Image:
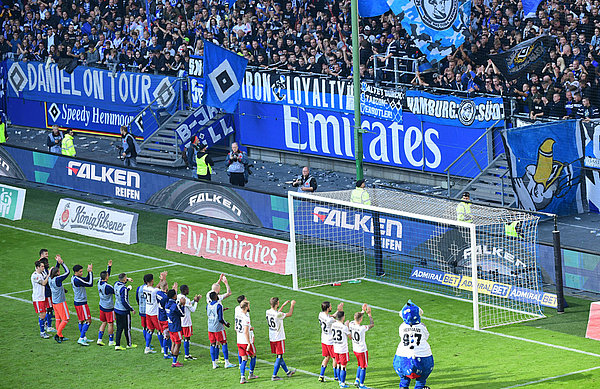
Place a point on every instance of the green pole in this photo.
(358, 142)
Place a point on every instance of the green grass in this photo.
(463, 358)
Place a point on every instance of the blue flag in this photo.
(437, 27)
(545, 162)
(223, 76)
(370, 8)
(530, 8)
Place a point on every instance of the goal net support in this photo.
(420, 245)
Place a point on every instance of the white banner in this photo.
(96, 221)
(12, 201)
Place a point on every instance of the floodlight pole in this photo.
(358, 142)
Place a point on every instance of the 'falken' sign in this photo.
(96, 221)
(237, 248)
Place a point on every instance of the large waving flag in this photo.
(530, 8)
(370, 8)
(223, 75)
(526, 57)
(437, 27)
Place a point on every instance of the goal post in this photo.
(423, 247)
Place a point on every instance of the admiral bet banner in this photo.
(523, 58)
(545, 162)
(437, 27)
(478, 112)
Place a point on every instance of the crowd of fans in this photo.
(315, 36)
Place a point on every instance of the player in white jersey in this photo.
(359, 344)
(340, 334)
(277, 334)
(38, 282)
(413, 359)
(326, 319)
(186, 320)
(149, 293)
(216, 287)
(245, 340)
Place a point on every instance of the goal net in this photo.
(420, 245)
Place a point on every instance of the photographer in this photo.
(129, 153)
(305, 182)
(237, 165)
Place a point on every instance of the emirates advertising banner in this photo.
(234, 247)
(96, 221)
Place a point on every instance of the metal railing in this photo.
(399, 69)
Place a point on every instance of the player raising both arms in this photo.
(186, 321)
(413, 359)
(59, 300)
(151, 311)
(359, 344)
(107, 307)
(326, 320)
(175, 311)
(140, 298)
(216, 330)
(47, 291)
(79, 283)
(245, 340)
(38, 296)
(277, 334)
(340, 334)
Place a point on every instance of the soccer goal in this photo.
(420, 245)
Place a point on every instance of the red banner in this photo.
(219, 244)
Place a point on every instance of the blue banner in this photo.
(370, 8)
(411, 144)
(224, 74)
(205, 124)
(477, 112)
(545, 162)
(436, 27)
(122, 92)
(381, 103)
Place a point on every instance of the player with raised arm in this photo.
(59, 300)
(186, 321)
(326, 319)
(140, 298)
(163, 324)
(359, 344)
(107, 307)
(175, 311)
(38, 296)
(245, 340)
(149, 291)
(47, 291)
(79, 283)
(340, 334)
(123, 311)
(277, 334)
(216, 287)
(413, 359)
(216, 330)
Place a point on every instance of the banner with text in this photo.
(122, 92)
(410, 144)
(208, 124)
(96, 221)
(12, 201)
(591, 160)
(229, 246)
(382, 103)
(477, 112)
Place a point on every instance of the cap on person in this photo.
(359, 183)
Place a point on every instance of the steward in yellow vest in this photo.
(67, 146)
(204, 163)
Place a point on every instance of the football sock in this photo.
(239, 360)
(168, 345)
(100, 335)
(161, 339)
(336, 372)
(61, 326)
(186, 347)
(342, 375)
(276, 367)
(363, 373)
(42, 324)
(111, 337)
(323, 370)
(175, 358)
(80, 327)
(148, 338)
(48, 320)
(243, 368)
(145, 333)
(225, 352)
(84, 329)
(212, 353)
(358, 373)
(283, 365)
(252, 364)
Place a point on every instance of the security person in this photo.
(68, 147)
(360, 195)
(129, 153)
(3, 135)
(305, 182)
(54, 140)
(463, 209)
(204, 162)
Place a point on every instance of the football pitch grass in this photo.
(550, 352)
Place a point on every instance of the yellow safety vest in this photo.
(463, 212)
(360, 196)
(2, 133)
(67, 146)
(202, 168)
(511, 229)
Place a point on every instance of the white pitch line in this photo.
(300, 291)
(192, 343)
(552, 378)
(129, 272)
